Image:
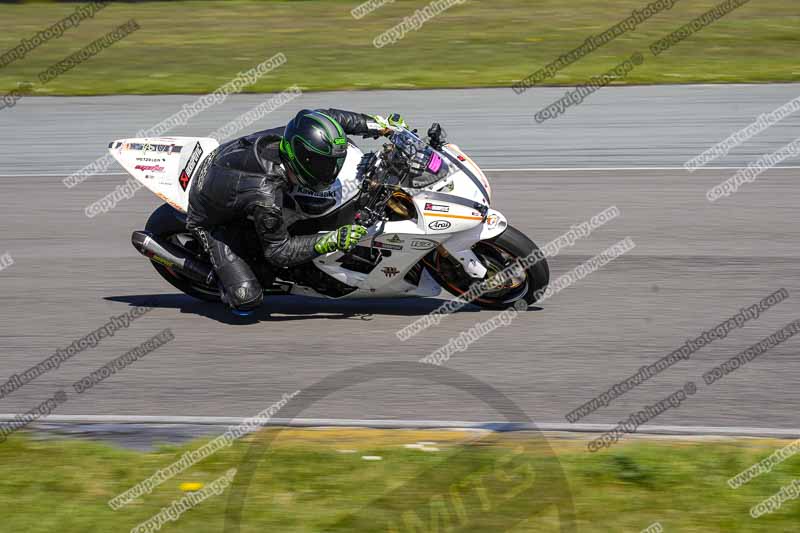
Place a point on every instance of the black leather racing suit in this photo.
(242, 179)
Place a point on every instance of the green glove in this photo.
(387, 125)
(345, 239)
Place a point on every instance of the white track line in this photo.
(734, 431)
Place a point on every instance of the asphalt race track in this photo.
(695, 264)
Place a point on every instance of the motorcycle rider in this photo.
(246, 178)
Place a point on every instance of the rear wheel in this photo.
(170, 226)
(496, 255)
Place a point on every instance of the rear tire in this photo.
(496, 254)
(170, 225)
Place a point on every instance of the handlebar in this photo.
(400, 162)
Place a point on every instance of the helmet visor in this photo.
(318, 171)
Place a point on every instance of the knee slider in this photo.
(242, 289)
(246, 296)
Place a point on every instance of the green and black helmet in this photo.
(314, 147)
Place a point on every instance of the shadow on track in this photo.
(287, 308)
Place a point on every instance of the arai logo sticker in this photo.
(439, 225)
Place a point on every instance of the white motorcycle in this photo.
(426, 204)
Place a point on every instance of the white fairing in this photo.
(477, 189)
(443, 220)
(452, 213)
(165, 165)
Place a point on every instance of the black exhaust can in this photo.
(172, 257)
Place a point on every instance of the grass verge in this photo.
(318, 480)
(194, 47)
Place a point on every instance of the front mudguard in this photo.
(460, 245)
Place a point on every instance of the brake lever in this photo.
(437, 137)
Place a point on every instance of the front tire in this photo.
(497, 254)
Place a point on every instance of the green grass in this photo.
(309, 485)
(194, 47)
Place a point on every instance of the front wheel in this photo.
(496, 255)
